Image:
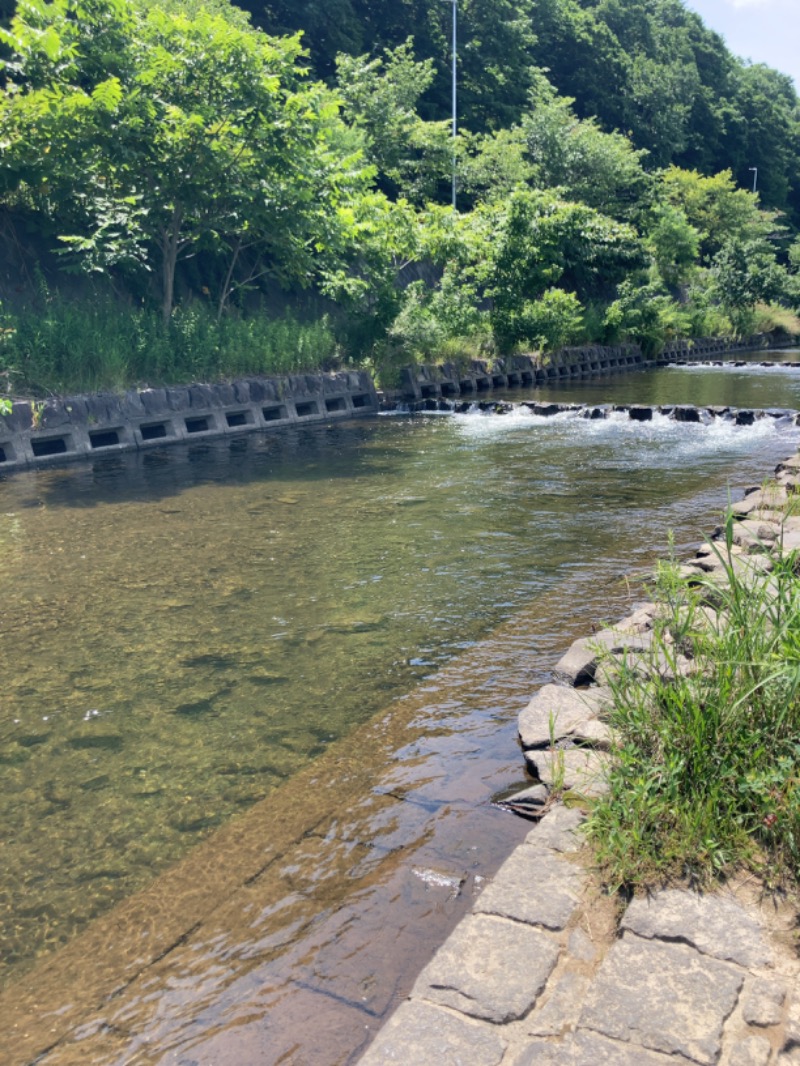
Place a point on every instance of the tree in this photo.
(189, 133)
(768, 105)
(413, 157)
(542, 243)
(674, 244)
(717, 208)
(328, 27)
(491, 166)
(745, 273)
(600, 169)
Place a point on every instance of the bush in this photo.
(707, 772)
(771, 318)
(548, 323)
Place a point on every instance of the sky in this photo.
(766, 31)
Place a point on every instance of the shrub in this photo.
(707, 771)
(550, 322)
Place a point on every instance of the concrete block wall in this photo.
(526, 371)
(689, 350)
(39, 433)
(517, 371)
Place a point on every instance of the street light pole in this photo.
(755, 177)
(455, 6)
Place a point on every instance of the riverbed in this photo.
(322, 637)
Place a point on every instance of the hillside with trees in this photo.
(190, 188)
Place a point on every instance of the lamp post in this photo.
(753, 169)
(454, 50)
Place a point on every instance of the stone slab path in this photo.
(548, 971)
(542, 973)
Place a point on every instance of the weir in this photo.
(635, 412)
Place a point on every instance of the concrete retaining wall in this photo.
(526, 371)
(518, 371)
(74, 427)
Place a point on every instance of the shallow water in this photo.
(192, 631)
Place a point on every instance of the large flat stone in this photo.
(789, 540)
(419, 1034)
(752, 1051)
(591, 1049)
(640, 621)
(792, 1033)
(762, 1002)
(715, 925)
(556, 712)
(739, 563)
(544, 1053)
(578, 770)
(560, 1013)
(792, 463)
(617, 639)
(664, 997)
(578, 665)
(489, 968)
(535, 886)
(558, 829)
(772, 497)
(753, 535)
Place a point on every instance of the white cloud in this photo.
(738, 4)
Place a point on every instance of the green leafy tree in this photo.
(674, 243)
(770, 114)
(745, 273)
(491, 166)
(600, 169)
(377, 241)
(718, 209)
(328, 27)
(413, 157)
(190, 133)
(542, 243)
(583, 58)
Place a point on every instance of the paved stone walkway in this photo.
(545, 971)
(538, 973)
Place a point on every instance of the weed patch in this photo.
(706, 775)
(63, 346)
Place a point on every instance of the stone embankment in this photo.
(544, 972)
(526, 371)
(74, 427)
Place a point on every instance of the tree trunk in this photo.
(170, 241)
(226, 285)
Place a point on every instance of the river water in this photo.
(283, 672)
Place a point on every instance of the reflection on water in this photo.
(194, 630)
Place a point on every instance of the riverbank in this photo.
(36, 433)
(549, 967)
(447, 380)
(546, 972)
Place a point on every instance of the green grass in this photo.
(706, 778)
(63, 346)
(771, 318)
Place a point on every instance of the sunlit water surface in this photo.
(193, 630)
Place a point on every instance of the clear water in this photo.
(331, 630)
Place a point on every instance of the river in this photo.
(283, 672)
